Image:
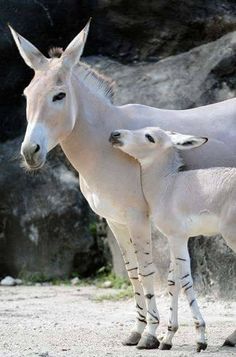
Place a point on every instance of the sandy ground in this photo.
(61, 321)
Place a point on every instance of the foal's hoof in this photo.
(148, 342)
(228, 343)
(165, 346)
(133, 339)
(201, 346)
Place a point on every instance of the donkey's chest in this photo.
(103, 205)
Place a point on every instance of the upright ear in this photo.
(30, 54)
(186, 142)
(74, 50)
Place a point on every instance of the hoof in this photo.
(165, 346)
(133, 339)
(148, 342)
(201, 346)
(228, 343)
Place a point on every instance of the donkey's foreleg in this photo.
(179, 247)
(123, 238)
(174, 289)
(140, 232)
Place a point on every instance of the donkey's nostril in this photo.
(115, 134)
(37, 148)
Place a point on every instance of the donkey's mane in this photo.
(94, 80)
(55, 52)
(97, 82)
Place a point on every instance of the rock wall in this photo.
(47, 230)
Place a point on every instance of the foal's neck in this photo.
(159, 174)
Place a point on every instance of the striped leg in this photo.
(174, 289)
(141, 238)
(179, 248)
(123, 237)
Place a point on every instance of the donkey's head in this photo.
(50, 97)
(148, 143)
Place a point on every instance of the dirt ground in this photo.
(61, 321)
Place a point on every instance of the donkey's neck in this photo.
(87, 145)
(159, 175)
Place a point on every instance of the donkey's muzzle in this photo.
(115, 138)
(32, 154)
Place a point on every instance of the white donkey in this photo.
(70, 104)
(182, 204)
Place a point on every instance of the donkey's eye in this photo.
(59, 96)
(150, 138)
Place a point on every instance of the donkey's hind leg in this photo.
(123, 238)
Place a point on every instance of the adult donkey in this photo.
(70, 104)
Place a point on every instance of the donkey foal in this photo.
(182, 204)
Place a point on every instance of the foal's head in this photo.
(50, 111)
(149, 143)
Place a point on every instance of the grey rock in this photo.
(8, 281)
(75, 281)
(45, 221)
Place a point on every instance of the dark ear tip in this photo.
(206, 139)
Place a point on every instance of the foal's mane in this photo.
(94, 80)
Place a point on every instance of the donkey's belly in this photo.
(101, 205)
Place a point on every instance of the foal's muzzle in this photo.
(115, 138)
(33, 155)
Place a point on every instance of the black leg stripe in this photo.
(144, 275)
(139, 307)
(149, 296)
(134, 278)
(132, 269)
(183, 260)
(137, 293)
(191, 302)
(142, 316)
(189, 287)
(170, 293)
(154, 316)
(185, 284)
(126, 263)
(142, 320)
(185, 276)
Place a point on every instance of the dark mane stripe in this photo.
(55, 52)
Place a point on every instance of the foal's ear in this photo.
(30, 54)
(186, 142)
(74, 50)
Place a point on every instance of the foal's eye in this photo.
(150, 138)
(59, 96)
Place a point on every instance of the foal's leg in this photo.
(140, 232)
(123, 238)
(173, 288)
(179, 247)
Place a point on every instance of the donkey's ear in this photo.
(74, 50)
(186, 142)
(30, 54)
